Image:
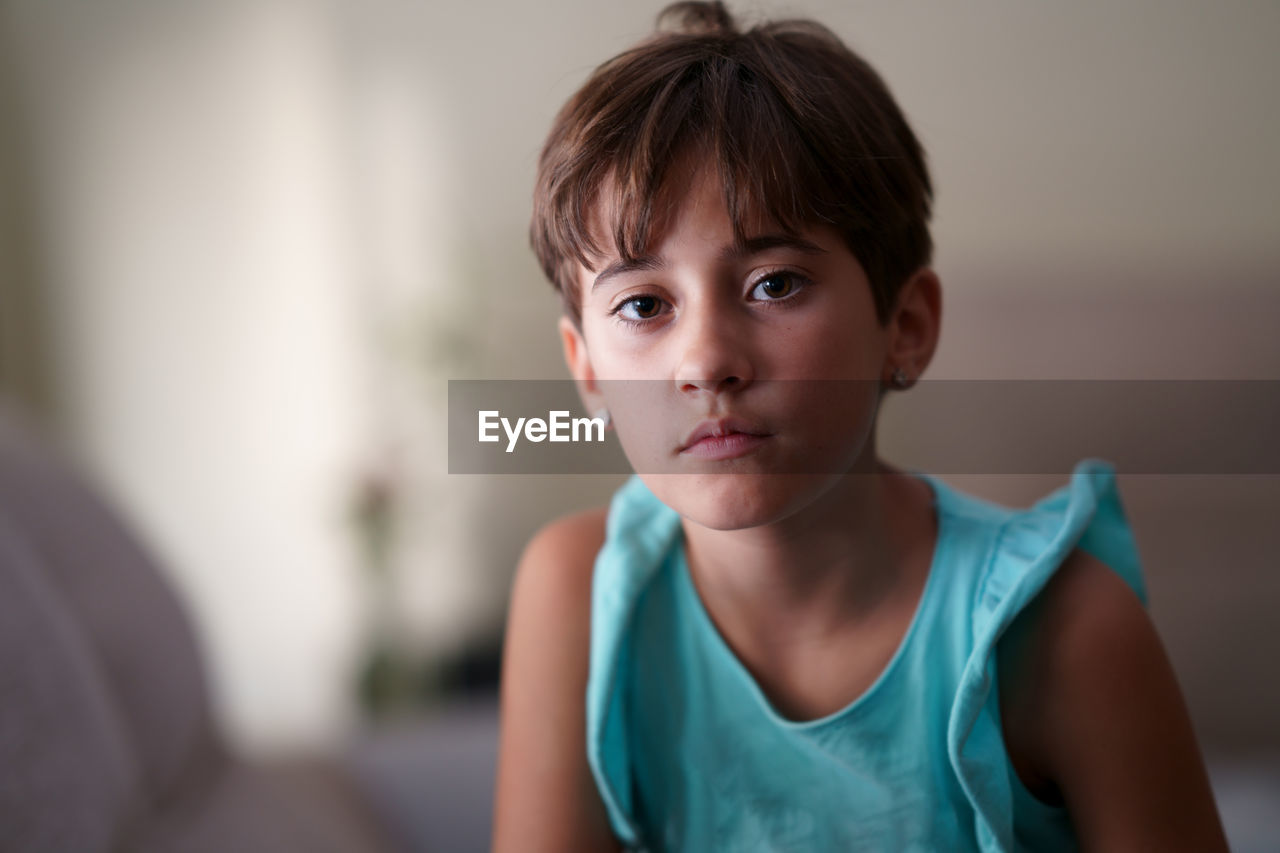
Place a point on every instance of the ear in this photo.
(579, 362)
(914, 325)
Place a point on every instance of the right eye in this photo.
(638, 309)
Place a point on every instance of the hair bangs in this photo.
(801, 130)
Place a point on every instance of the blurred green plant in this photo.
(415, 348)
(391, 679)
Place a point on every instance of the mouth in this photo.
(727, 438)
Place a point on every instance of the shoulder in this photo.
(566, 546)
(551, 594)
(1084, 607)
(546, 797)
(553, 577)
(1084, 627)
(1093, 715)
(1088, 648)
(1047, 648)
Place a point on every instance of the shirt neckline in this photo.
(708, 627)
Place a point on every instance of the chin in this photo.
(735, 501)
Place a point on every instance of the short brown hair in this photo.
(803, 130)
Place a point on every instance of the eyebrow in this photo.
(733, 252)
(621, 266)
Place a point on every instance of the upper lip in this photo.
(722, 427)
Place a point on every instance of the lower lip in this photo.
(728, 446)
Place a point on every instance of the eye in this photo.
(776, 285)
(638, 309)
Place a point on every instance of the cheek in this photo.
(830, 348)
(830, 422)
(646, 418)
(617, 353)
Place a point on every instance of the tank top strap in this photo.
(1030, 546)
(639, 533)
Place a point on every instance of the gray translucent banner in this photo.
(818, 426)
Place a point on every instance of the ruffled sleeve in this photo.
(640, 533)
(1086, 513)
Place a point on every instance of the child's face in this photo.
(706, 330)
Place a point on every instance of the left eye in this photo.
(775, 286)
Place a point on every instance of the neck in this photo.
(824, 569)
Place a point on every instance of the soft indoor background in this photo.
(244, 245)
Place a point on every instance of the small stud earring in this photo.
(899, 378)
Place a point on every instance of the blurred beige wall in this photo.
(268, 232)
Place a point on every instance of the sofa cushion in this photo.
(132, 632)
(273, 808)
(68, 778)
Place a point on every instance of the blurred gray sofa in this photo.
(107, 741)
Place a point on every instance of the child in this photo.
(773, 640)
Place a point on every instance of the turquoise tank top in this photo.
(688, 754)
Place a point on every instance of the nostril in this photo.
(714, 385)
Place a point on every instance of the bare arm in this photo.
(546, 798)
(1093, 711)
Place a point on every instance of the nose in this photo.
(716, 355)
